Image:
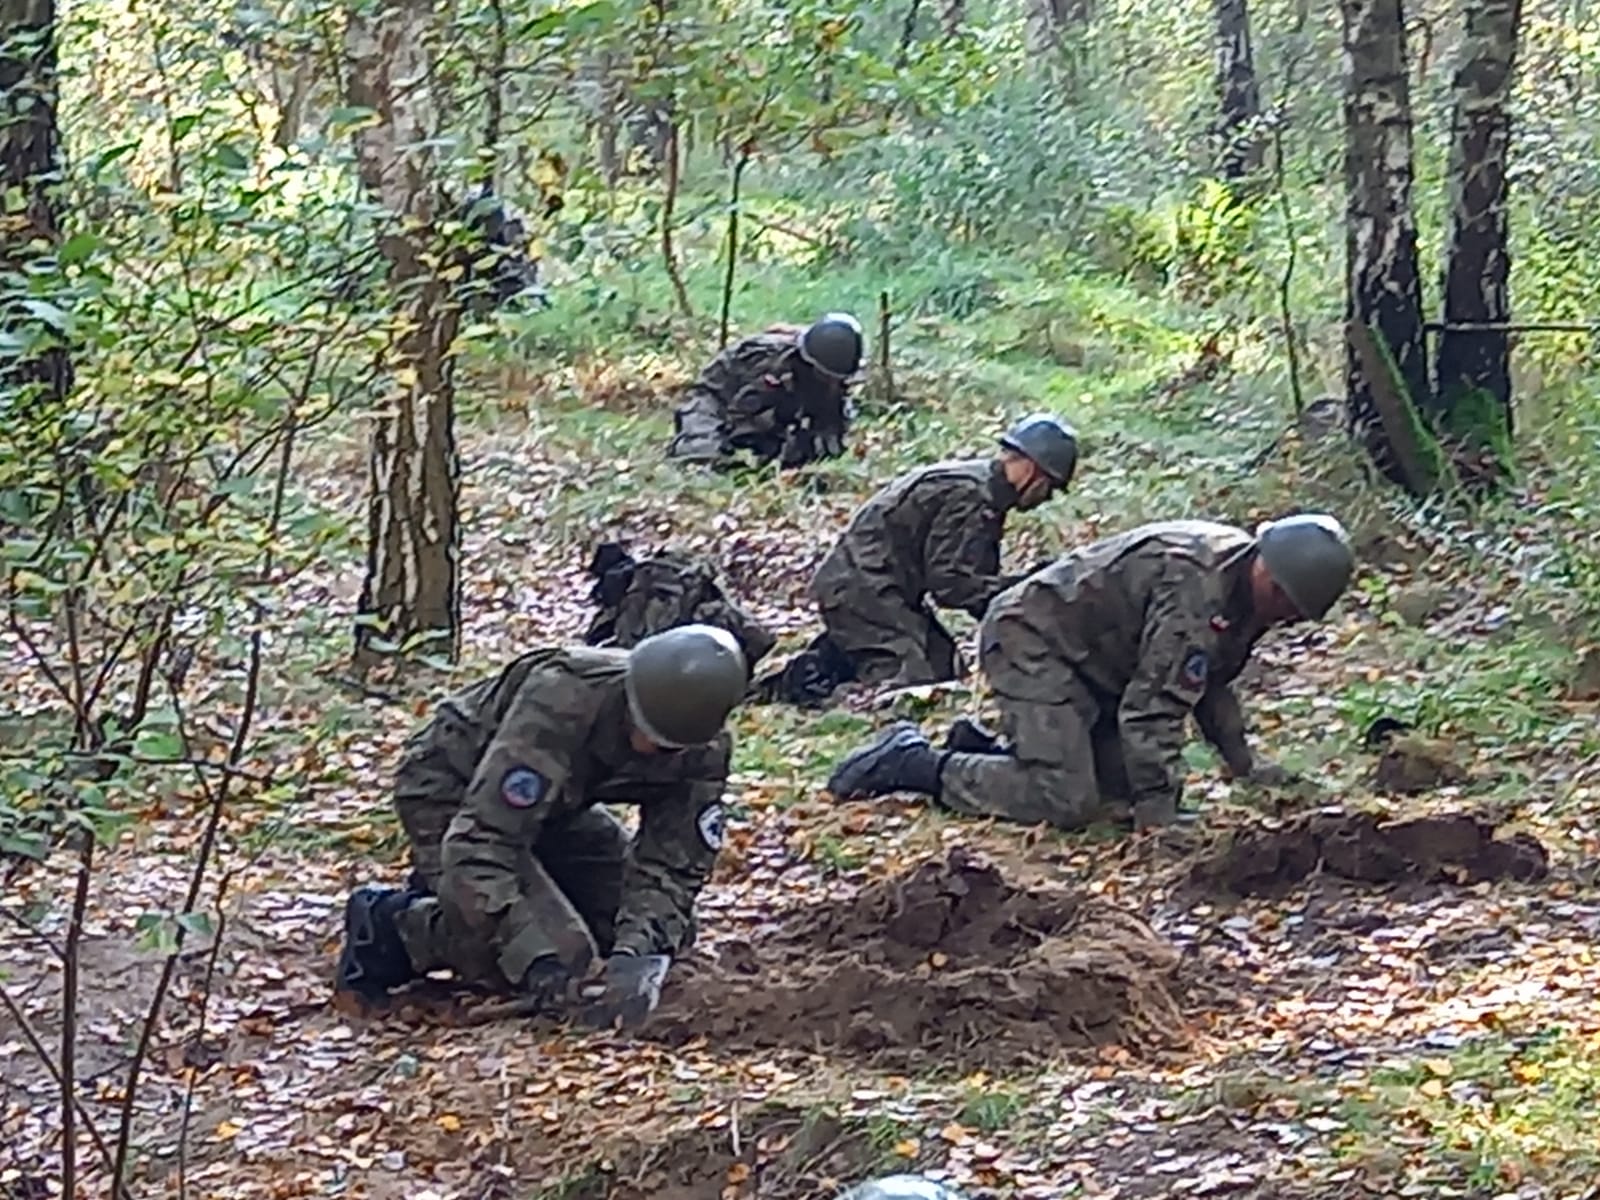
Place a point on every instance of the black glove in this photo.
(627, 992)
(545, 982)
(798, 448)
(830, 442)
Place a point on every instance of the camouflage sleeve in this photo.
(670, 861)
(1171, 676)
(1221, 720)
(961, 555)
(489, 881)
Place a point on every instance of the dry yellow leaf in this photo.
(227, 1131)
(907, 1148)
(954, 1134)
(1528, 1072)
(739, 1172)
(449, 1122)
(1433, 1089)
(1438, 1066)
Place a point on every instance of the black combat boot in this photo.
(901, 760)
(966, 736)
(373, 959)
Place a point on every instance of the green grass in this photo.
(1491, 1114)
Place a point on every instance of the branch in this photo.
(1512, 327)
(42, 1053)
(68, 1078)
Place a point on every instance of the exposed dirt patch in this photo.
(948, 963)
(1454, 847)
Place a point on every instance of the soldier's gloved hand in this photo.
(830, 443)
(627, 991)
(796, 448)
(545, 981)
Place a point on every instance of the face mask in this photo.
(1036, 493)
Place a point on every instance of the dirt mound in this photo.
(1453, 847)
(947, 963)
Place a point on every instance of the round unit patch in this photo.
(523, 787)
(712, 824)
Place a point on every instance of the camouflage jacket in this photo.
(932, 533)
(1158, 617)
(767, 409)
(546, 738)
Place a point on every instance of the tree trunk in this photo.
(29, 161)
(1238, 95)
(1474, 365)
(1047, 18)
(952, 17)
(1383, 289)
(411, 596)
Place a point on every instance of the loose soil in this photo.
(947, 964)
(1453, 847)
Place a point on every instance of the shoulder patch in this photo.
(523, 787)
(1196, 667)
(712, 823)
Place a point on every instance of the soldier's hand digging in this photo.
(627, 991)
(545, 983)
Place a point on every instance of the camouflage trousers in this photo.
(889, 641)
(700, 429)
(1061, 763)
(571, 878)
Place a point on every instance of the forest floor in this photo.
(1291, 1000)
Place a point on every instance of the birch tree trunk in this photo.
(1238, 94)
(411, 596)
(30, 145)
(1476, 363)
(1047, 18)
(952, 16)
(1383, 289)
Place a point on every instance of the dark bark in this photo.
(1383, 286)
(953, 17)
(411, 595)
(908, 33)
(1239, 132)
(1477, 260)
(29, 167)
(733, 246)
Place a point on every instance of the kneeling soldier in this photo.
(1097, 661)
(522, 877)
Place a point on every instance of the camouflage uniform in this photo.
(933, 534)
(638, 597)
(518, 873)
(757, 396)
(1096, 662)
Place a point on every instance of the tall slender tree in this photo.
(1383, 292)
(411, 595)
(1239, 133)
(39, 369)
(1474, 348)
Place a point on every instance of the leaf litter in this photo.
(813, 1033)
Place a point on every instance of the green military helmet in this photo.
(901, 1187)
(1308, 555)
(1049, 441)
(833, 345)
(682, 684)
